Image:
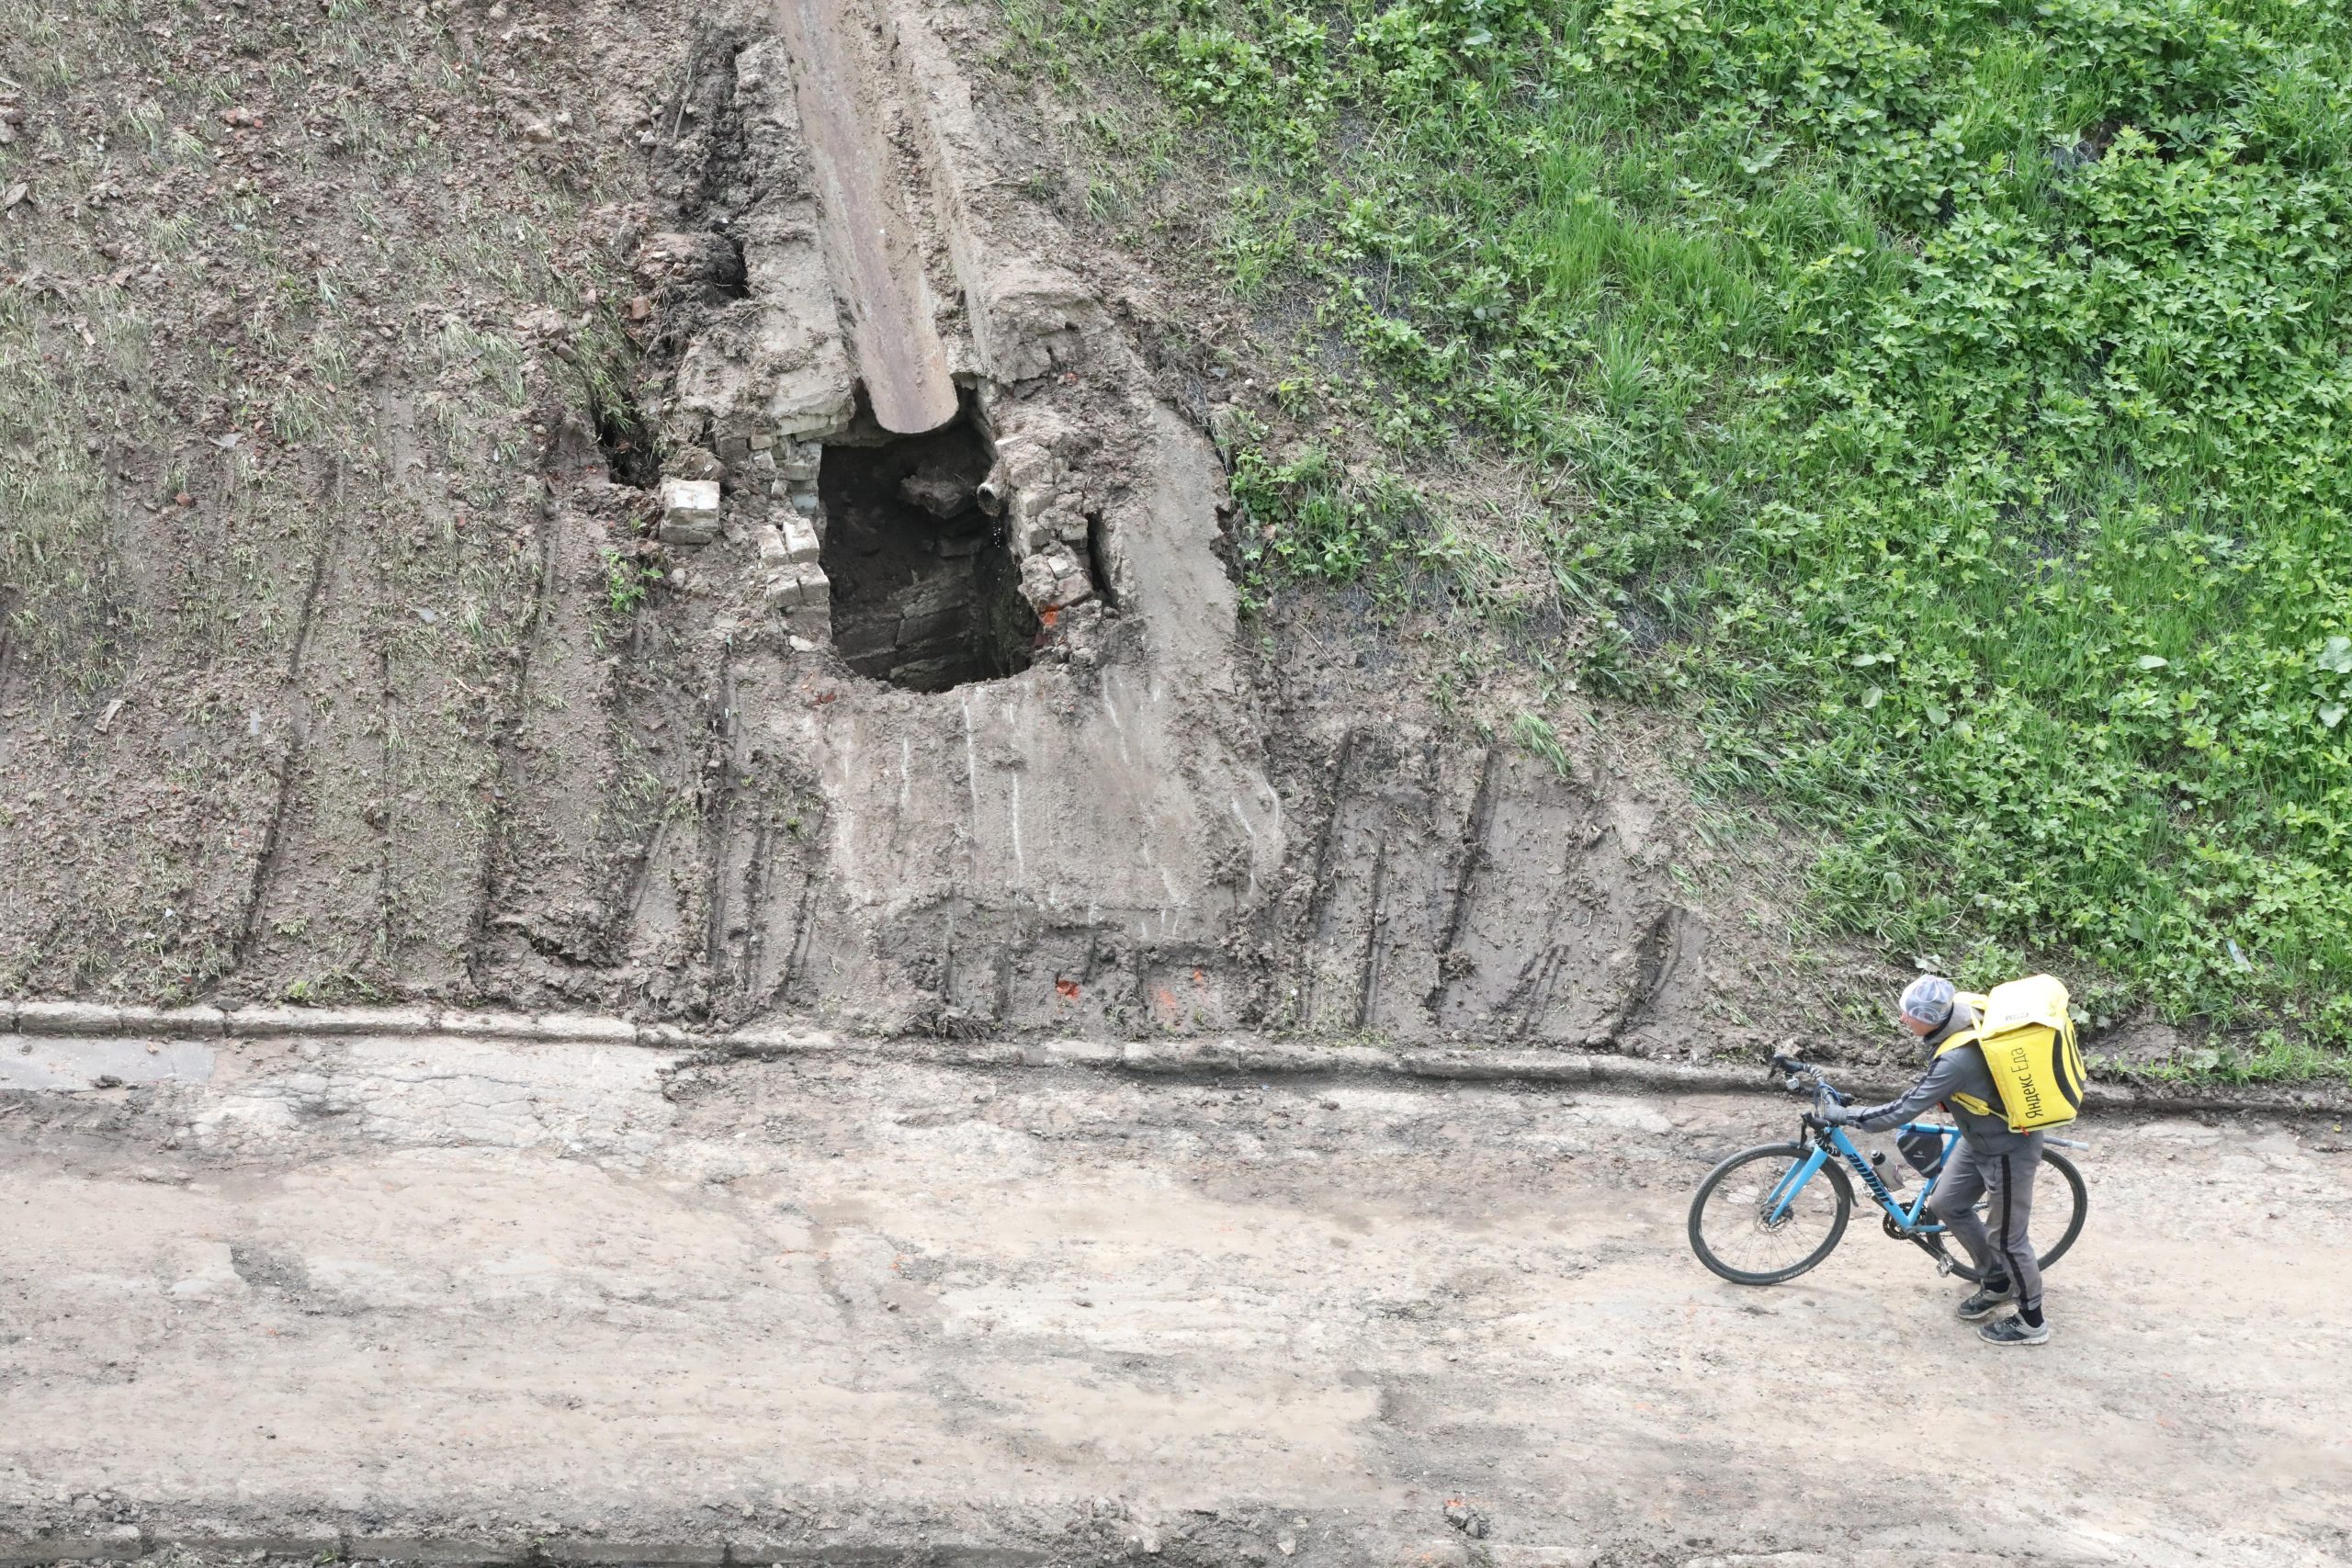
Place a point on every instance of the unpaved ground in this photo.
(344, 657)
(398, 1287)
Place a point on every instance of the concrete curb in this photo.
(67, 1019)
(1271, 1059)
(69, 1549)
(558, 1551)
(1150, 1058)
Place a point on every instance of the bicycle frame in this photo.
(1834, 1142)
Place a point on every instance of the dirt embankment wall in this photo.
(484, 558)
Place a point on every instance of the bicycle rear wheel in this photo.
(1733, 1235)
(2059, 1198)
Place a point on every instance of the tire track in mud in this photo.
(505, 783)
(634, 880)
(1319, 885)
(637, 928)
(788, 987)
(1375, 929)
(1659, 959)
(718, 805)
(762, 866)
(1471, 890)
(379, 815)
(755, 898)
(319, 924)
(8, 597)
(1475, 831)
(296, 706)
(760, 841)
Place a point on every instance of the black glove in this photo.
(1834, 1116)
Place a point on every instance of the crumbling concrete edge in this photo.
(56, 1020)
(960, 1536)
(1216, 1058)
(559, 1552)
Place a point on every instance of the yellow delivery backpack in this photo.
(2028, 1038)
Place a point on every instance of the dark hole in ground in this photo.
(1098, 556)
(730, 280)
(622, 435)
(630, 455)
(924, 591)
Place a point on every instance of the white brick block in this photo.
(689, 510)
(799, 541)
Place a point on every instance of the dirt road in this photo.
(373, 1290)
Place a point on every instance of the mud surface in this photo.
(492, 1292)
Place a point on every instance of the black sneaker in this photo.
(2013, 1331)
(1986, 1302)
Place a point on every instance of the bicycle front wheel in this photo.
(2060, 1203)
(1741, 1231)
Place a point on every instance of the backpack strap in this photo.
(1969, 1102)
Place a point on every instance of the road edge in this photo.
(1222, 1057)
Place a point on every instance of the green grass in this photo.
(1955, 396)
(2269, 1058)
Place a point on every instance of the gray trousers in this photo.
(1996, 1240)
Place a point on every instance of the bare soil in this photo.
(297, 309)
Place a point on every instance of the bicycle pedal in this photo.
(1943, 1265)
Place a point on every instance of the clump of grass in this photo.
(1954, 395)
(626, 581)
(2270, 1058)
(1536, 733)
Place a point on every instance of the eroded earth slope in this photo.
(639, 508)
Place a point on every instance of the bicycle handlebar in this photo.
(1792, 1070)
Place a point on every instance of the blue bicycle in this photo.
(1763, 1216)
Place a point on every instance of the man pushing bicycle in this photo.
(2005, 1064)
(1990, 1160)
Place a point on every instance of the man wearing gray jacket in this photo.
(1988, 1159)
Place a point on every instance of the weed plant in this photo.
(1957, 395)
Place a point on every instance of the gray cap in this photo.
(1929, 1000)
